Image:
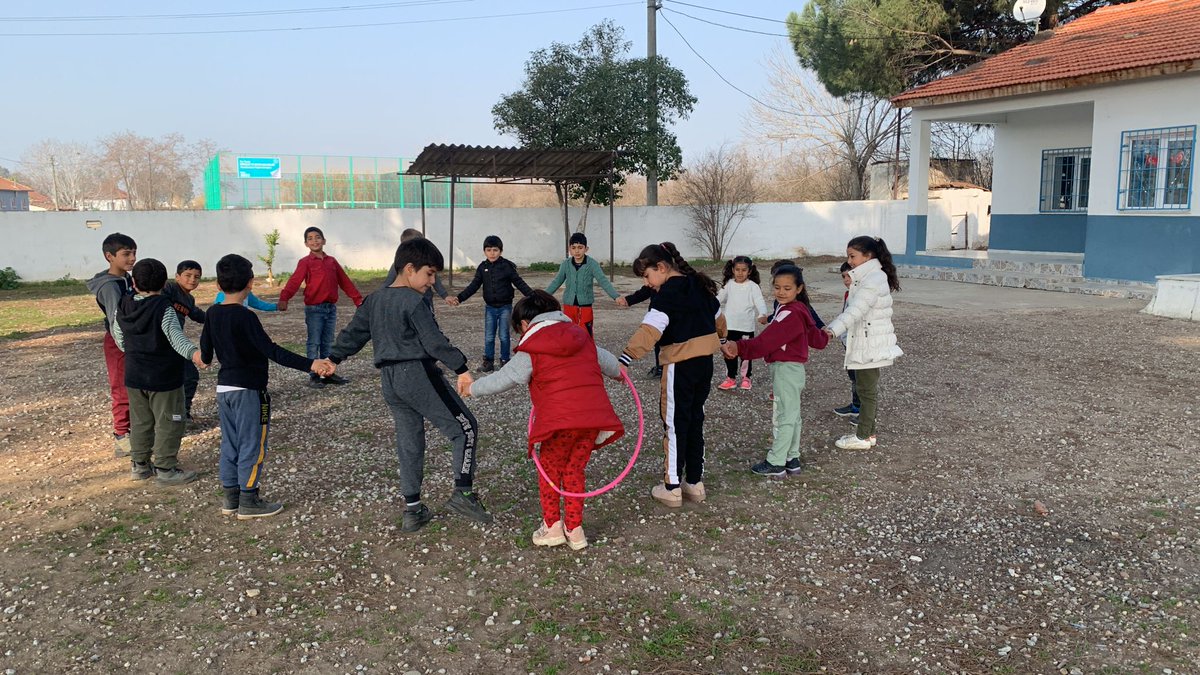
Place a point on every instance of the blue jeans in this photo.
(320, 321)
(495, 320)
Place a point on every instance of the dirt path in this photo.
(924, 555)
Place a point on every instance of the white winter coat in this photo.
(866, 322)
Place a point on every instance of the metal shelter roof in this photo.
(478, 161)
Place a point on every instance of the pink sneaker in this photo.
(727, 384)
(576, 539)
(745, 384)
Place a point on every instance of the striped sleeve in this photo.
(179, 342)
(646, 336)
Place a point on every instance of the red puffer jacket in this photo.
(567, 386)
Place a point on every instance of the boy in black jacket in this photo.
(497, 275)
(147, 331)
(236, 336)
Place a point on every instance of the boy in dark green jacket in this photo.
(579, 272)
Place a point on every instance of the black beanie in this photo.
(578, 238)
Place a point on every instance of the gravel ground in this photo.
(1031, 507)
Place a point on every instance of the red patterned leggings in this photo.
(563, 456)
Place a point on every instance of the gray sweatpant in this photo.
(416, 391)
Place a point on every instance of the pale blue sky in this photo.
(372, 90)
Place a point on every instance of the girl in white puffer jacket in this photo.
(866, 324)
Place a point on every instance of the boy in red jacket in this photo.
(784, 345)
(321, 275)
(563, 367)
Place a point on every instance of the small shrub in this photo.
(272, 241)
(543, 267)
(9, 279)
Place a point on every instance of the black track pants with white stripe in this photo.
(684, 390)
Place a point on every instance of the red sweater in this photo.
(567, 386)
(787, 338)
(321, 277)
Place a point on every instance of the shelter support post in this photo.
(453, 180)
(423, 233)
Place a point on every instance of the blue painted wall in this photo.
(1141, 247)
(1059, 232)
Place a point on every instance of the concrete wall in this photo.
(49, 245)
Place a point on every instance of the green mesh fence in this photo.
(241, 181)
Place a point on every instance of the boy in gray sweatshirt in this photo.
(407, 344)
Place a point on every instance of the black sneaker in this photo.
(250, 506)
(793, 467)
(316, 383)
(335, 379)
(487, 366)
(414, 518)
(656, 371)
(765, 468)
(176, 476)
(232, 496)
(846, 410)
(141, 471)
(853, 420)
(467, 505)
(503, 362)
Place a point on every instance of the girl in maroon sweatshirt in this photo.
(784, 345)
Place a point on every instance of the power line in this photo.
(218, 15)
(724, 79)
(722, 25)
(375, 24)
(725, 11)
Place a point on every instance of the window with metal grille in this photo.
(1066, 176)
(1156, 169)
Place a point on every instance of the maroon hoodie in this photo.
(787, 338)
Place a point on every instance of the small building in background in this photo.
(13, 196)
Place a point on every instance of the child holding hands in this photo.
(866, 323)
(784, 345)
(742, 303)
(573, 416)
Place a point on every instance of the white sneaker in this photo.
(549, 536)
(853, 442)
(693, 492)
(672, 498)
(576, 539)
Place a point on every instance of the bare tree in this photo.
(155, 172)
(719, 192)
(968, 147)
(842, 136)
(65, 171)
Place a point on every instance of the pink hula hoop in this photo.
(628, 467)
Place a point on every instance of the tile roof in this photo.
(1149, 37)
(13, 186)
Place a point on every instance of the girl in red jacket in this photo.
(784, 344)
(572, 414)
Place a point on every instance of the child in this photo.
(579, 271)
(867, 324)
(252, 301)
(784, 345)
(685, 317)
(851, 410)
(407, 342)
(109, 286)
(563, 368)
(437, 287)
(179, 292)
(497, 275)
(147, 330)
(321, 275)
(235, 335)
(742, 304)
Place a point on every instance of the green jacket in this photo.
(579, 282)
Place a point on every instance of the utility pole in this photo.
(54, 179)
(652, 7)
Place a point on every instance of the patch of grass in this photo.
(25, 311)
(543, 267)
(671, 642)
(366, 276)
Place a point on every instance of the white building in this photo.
(1095, 142)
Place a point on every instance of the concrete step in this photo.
(1113, 288)
(1070, 269)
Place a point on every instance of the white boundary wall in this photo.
(43, 246)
